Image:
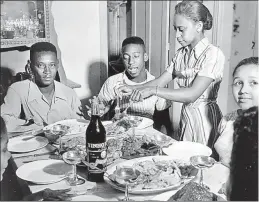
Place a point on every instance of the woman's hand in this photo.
(123, 90)
(142, 93)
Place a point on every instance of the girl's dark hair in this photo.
(195, 11)
(40, 47)
(3, 127)
(246, 61)
(244, 159)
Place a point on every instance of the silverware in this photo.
(125, 110)
(117, 108)
(33, 134)
(36, 155)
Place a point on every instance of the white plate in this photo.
(76, 126)
(44, 171)
(17, 144)
(146, 122)
(87, 198)
(185, 150)
(111, 169)
(106, 122)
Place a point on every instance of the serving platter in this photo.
(175, 184)
(126, 146)
(126, 123)
(75, 126)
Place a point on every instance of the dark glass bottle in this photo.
(96, 145)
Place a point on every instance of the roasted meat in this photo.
(193, 192)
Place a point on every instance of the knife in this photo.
(36, 155)
(33, 134)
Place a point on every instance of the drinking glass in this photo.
(59, 130)
(127, 175)
(73, 157)
(160, 141)
(200, 162)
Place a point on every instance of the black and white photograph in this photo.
(129, 100)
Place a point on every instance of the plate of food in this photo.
(126, 146)
(157, 174)
(189, 192)
(72, 126)
(126, 123)
(185, 150)
(26, 143)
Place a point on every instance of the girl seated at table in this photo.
(245, 91)
(46, 194)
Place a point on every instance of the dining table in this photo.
(214, 177)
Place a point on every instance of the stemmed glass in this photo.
(160, 141)
(73, 157)
(127, 175)
(200, 162)
(59, 130)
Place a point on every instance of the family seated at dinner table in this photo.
(32, 104)
(197, 68)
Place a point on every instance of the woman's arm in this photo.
(183, 95)
(161, 81)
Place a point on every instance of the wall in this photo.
(81, 38)
(79, 30)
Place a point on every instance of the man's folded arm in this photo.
(11, 110)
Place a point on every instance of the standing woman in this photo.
(197, 67)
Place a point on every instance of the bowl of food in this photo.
(53, 133)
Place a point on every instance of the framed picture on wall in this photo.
(24, 22)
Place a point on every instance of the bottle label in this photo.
(97, 156)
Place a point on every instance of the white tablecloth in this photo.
(214, 177)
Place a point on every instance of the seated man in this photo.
(31, 104)
(134, 57)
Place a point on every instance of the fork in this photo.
(125, 110)
(117, 108)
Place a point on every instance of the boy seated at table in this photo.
(11, 185)
(242, 184)
(31, 104)
(134, 57)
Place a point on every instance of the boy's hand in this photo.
(86, 110)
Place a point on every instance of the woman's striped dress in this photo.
(199, 120)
